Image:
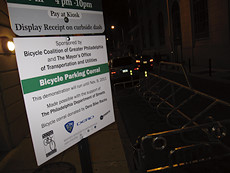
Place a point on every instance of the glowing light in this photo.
(112, 27)
(7, 45)
(11, 46)
(131, 72)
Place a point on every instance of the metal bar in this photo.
(200, 114)
(176, 150)
(181, 104)
(186, 76)
(123, 83)
(178, 65)
(186, 129)
(178, 89)
(155, 84)
(176, 109)
(182, 164)
(184, 115)
(150, 90)
(173, 95)
(193, 90)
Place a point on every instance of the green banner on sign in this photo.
(47, 81)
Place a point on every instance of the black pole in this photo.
(210, 67)
(84, 152)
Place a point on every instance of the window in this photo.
(229, 17)
(176, 22)
(143, 36)
(151, 39)
(200, 18)
(130, 12)
(161, 29)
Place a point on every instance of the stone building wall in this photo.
(13, 120)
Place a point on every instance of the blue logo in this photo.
(85, 120)
(69, 126)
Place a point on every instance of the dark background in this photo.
(115, 12)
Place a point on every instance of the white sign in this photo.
(55, 17)
(66, 88)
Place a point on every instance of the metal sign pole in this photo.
(84, 152)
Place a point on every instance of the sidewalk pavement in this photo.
(212, 74)
(106, 149)
(200, 71)
(214, 82)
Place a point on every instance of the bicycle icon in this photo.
(49, 141)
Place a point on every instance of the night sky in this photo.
(115, 12)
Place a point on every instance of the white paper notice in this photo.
(66, 89)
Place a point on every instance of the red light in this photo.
(136, 68)
(113, 72)
(138, 61)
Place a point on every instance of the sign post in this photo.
(84, 152)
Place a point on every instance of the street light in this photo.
(112, 27)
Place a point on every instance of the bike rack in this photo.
(127, 84)
(198, 120)
(181, 154)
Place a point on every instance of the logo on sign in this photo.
(102, 116)
(85, 120)
(69, 126)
